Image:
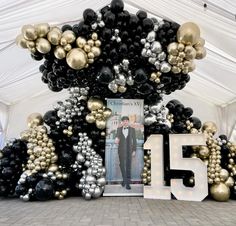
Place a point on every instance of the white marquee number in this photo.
(157, 190)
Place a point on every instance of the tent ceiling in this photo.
(214, 79)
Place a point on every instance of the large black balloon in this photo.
(44, 190)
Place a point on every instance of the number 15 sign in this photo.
(158, 190)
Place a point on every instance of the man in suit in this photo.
(126, 140)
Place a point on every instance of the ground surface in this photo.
(116, 211)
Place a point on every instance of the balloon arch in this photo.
(109, 54)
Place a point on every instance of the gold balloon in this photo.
(224, 174)
(209, 127)
(200, 43)
(29, 32)
(181, 47)
(172, 59)
(176, 69)
(230, 182)
(43, 45)
(190, 53)
(200, 52)
(191, 67)
(101, 124)
(30, 44)
(90, 118)
(69, 36)
(21, 41)
(122, 89)
(54, 36)
(53, 168)
(59, 52)
(107, 113)
(76, 58)
(204, 152)
(173, 48)
(96, 51)
(188, 33)
(67, 47)
(94, 104)
(42, 29)
(220, 192)
(80, 42)
(35, 119)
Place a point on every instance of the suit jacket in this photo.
(126, 145)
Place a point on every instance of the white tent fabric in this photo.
(213, 81)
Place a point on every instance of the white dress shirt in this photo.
(125, 131)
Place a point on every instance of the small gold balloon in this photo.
(122, 89)
(220, 192)
(59, 52)
(172, 59)
(53, 168)
(76, 58)
(90, 42)
(181, 47)
(224, 174)
(98, 43)
(21, 41)
(69, 36)
(24, 135)
(204, 152)
(87, 48)
(43, 45)
(230, 182)
(54, 37)
(67, 47)
(176, 69)
(209, 127)
(188, 33)
(80, 42)
(94, 104)
(190, 53)
(191, 67)
(90, 118)
(29, 32)
(94, 36)
(200, 53)
(173, 48)
(96, 51)
(107, 113)
(200, 43)
(30, 44)
(42, 29)
(35, 119)
(101, 124)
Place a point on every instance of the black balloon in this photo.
(44, 190)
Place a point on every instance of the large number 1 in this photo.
(157, 190)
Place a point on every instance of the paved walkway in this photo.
(118, 211)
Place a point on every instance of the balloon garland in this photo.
(108, 54)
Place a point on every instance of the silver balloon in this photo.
(156, 47)
(151, 36)
(165, 67)
(149, 119)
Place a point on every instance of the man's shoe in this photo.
(128, 187)
(123, 184)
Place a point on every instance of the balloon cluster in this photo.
(99, 113)
(124, 49)
(189, 47)
(13, 157)
(218, 154)
(93, 181)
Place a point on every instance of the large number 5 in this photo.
(177, 162)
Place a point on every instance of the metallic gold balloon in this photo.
(29, 32)
(190, 53)
(80, 42)
(59, 52)
(21, 41)
(176, 69)
(30, 44)
(200, 52)
(107, 113)
(54, 36)
(230, 182)
(181, 47)
(90, 118)
(24, 135)
(69, 36)
(200, 43)
(94, 104)
(76, 58)
(35, 119)
(172, 59)
(192, 66)
(67, 47)
(53, 168)
(224, 174)
(101, 124)
(209, 127)
(220, 192)
(204, 152)
(173, 48)
(42, 29)
(43, 45)
(96, 51)
(188, 33)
